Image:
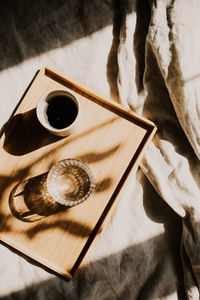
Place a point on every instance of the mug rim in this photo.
(42, 108)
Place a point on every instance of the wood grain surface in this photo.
(110, 140)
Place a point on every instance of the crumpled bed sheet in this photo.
(145, 55)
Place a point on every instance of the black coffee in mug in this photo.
(58, 111)
(61, 111)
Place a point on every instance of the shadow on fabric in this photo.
(137, 272)
(29, 29)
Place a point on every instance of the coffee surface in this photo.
(61, 111)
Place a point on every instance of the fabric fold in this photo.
(171, 99)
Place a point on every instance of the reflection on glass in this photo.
(70, 182)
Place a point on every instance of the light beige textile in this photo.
(146, 56)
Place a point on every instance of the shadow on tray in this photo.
(25, 134)
(30, 201)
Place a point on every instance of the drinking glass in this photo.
(70, 182)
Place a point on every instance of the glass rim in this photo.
(54, 171)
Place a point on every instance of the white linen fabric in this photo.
(146, 56)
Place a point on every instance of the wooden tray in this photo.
(110, 141)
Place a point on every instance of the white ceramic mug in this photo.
(59, 112)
